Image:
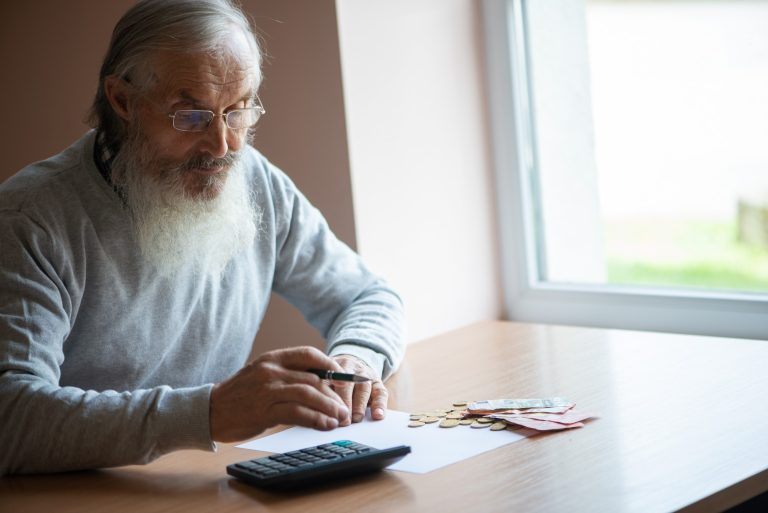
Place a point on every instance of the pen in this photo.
(338, 376)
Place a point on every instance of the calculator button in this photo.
(287, 460)
(344, 452)
(314, 464)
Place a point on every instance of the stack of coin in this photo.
(538, 414)
(456, 415)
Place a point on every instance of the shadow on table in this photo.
(378, 488)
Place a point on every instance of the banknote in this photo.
(493, 405)
(568, 417)
(554, 409)
(542, 425)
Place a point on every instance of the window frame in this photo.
(527, 298)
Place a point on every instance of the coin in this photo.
(429, 420)
(460, 403)
(415, 416)
(415, 423)
(449, 423)
(466, 422)
(498, 426)
(484, 420)
(479, 425)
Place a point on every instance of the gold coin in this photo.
(460, 403)
(466, 422)
(438, 413)
(415, 416)
(498, 426)
(484, 420)
(449, 423)
(430, 420)
(453, 416)
(415, 423)
(479, 425)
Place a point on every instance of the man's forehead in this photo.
(190, 72)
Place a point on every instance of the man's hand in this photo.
(276, 389)
(359, 395)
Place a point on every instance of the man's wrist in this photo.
(371, 358)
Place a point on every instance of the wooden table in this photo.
(683, 426)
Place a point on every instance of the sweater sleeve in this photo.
(357, 312)
(45, 427)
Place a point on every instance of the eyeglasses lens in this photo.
(242, 118)
(192, 120)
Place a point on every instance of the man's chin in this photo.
(209, 171)
(204, 186)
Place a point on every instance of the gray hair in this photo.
(190, 26)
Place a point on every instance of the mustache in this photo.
(208, 162)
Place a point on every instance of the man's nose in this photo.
(217, 138)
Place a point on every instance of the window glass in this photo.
(650, 122)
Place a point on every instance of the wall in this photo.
(421, 174)
(51, 58)
(304, 130)
(410, 145)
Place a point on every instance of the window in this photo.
(629, 140)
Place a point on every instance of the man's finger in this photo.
(344, 392)
(303, 358)
(312, 398)
(360, 396)
(379, 400)
(299, 415)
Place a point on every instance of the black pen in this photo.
(338, 376)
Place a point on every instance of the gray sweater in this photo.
(105, 363)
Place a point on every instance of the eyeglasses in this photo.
(200, 120)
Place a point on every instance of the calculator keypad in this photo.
(313, 465)
(289, 461)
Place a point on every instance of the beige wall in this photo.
(304, 131)
(411, 142)
(50, 61)
(420, 157)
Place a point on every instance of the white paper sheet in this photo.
(432, 447)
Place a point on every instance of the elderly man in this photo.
(137, 264)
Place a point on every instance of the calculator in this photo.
(313, 465)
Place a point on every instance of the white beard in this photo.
(177, 233)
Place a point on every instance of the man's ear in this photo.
(118, 92)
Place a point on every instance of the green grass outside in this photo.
(683, 253)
